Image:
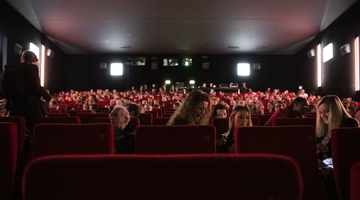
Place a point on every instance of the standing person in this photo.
(243, 89)
(330, 114)
(194, 110)
(239, 117)
(25, 96)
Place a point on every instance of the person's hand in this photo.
(321, 147)
(221, 142)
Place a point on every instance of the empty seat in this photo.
(53, 139)
(147, 117)
(8, 157)
(21, 129)
(182, 139)
(285, 121)
(58, 115)
(345, 153)
(297, 142)
(63, 120)
(75, 112)
(88, 117)
(355, 181)
(263, 118)
(160, 120)
(210, 177)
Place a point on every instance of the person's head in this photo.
(299, 105)
(329, 114)
(194, 109)
(28, 57)
(119, 117)
(270, 106)
(279, 105)
(240, 117)
(219, 111)
(134, 110)
(177, 105)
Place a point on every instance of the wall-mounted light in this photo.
(318, 64)
(243, 69)
(116, 69)
(167, 82)
(192, 82)
(327, 52)
(357, 64)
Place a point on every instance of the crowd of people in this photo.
(24, 96)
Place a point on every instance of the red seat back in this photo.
(58, 115)
(298, 142)
(87, 118)
(160, 120)
(148, 118)
(54, 139)
(210, 177)
(62, 120)
(263, 118)
(345, 153)
(75, 112)
(355, 181)
(160, 139)
(285, 121)
(8, 157)
(21, 129)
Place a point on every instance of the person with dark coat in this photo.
(22, 90)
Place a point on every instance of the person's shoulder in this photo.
(350, 122)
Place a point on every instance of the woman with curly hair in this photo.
(195, 109)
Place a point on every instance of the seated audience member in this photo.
(357, 114)
(134, 111)
(2, 107)
(311, 109)
(219, 111)
(124, 135)
(239, 117)
(278, 105)
(194, 110)
(53, 105)
(270, 107)
(177, 105)
(295, 110)
(330, 114)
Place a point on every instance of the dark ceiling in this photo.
(181, 26)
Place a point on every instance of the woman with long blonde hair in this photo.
(330, 114)
(239, 117)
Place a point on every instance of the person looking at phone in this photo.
(239, 117)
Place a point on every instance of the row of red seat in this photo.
(185, 139)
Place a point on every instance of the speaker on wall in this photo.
(103, 65)
(345, 49)
(311, 53)
(18, 48)
(257, 66)
(50, 53)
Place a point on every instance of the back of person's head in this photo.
(119, 117)
(28, 57)
(134, 110)
(297, 100)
